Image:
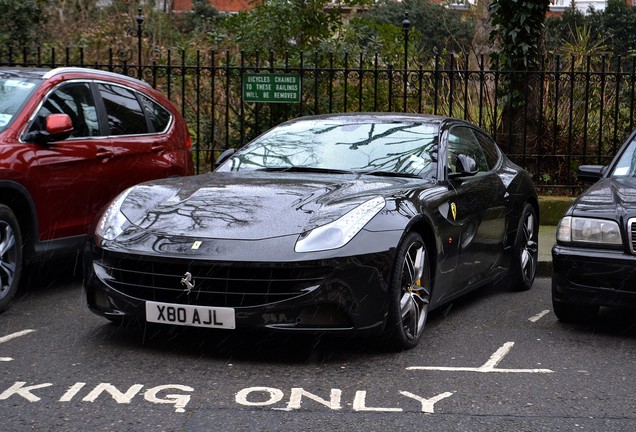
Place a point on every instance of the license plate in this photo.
(189, 315)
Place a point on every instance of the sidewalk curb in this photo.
(547, 238)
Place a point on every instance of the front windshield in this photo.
(626, 165)
(14, 92)
(403, 147)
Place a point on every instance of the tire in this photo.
(10, 256)
(525, 252)
(409, 294)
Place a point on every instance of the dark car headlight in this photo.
(588, 230)
(338, 233)
(113, 222)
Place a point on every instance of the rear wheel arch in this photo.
(524, 252)
(517, 210)
(533, 201)
(535, 204)
(11, 252)
(17, 198)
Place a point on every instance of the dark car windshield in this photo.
(626, 165)
(15, 90)
(402, 147)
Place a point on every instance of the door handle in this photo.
(104, 153)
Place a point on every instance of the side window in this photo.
(125, 115)
(158, 115)
(76, 100)
(490, 149)
(462, 140)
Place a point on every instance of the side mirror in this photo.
(224, 156)
(465, 166)
(590, 173)
(58, 127)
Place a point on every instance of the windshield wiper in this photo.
(339, 171)
(307, 169)
(389, 174)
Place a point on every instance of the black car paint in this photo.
(601, 275)
(470, 247)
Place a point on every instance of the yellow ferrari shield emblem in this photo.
(454, 211)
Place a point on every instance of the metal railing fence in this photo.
(571, 111)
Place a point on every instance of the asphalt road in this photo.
(493, 361)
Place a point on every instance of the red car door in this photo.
(64, 176)
(131, 152)
(65, 187)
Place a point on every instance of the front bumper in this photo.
(593, 276)
(337, 295)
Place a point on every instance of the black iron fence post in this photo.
(140, 22)
(406, 24)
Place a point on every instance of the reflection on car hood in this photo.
(608, 198)
(252, 205)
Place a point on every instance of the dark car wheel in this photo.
(10, 256)
(525, 252)
(410, 293)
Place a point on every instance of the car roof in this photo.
(24, 72)
(380, 117)
(47, 73)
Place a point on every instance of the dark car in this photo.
(71, 139)
(594, 258)
(344, 223)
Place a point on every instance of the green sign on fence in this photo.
(276, 88)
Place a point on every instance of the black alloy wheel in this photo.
(525, 253)
(10, 256)
(410, 293)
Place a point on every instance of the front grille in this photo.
(631, 231)
(215, 284)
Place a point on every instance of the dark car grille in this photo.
(226, 284)
(631, 230)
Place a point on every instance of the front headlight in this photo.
(338, 233)
(112, 222)
(588, 230)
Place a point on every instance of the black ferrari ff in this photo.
(344, 223)
(594, 258)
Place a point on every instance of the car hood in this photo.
(252, 205)
(608, 198)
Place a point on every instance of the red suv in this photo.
(71, 139)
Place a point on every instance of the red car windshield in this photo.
(15, 90)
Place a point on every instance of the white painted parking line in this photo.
(11, 336)
(7, 338)
(488, 367)
(538, 316)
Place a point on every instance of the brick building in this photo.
(233, 6)
(227, 6)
